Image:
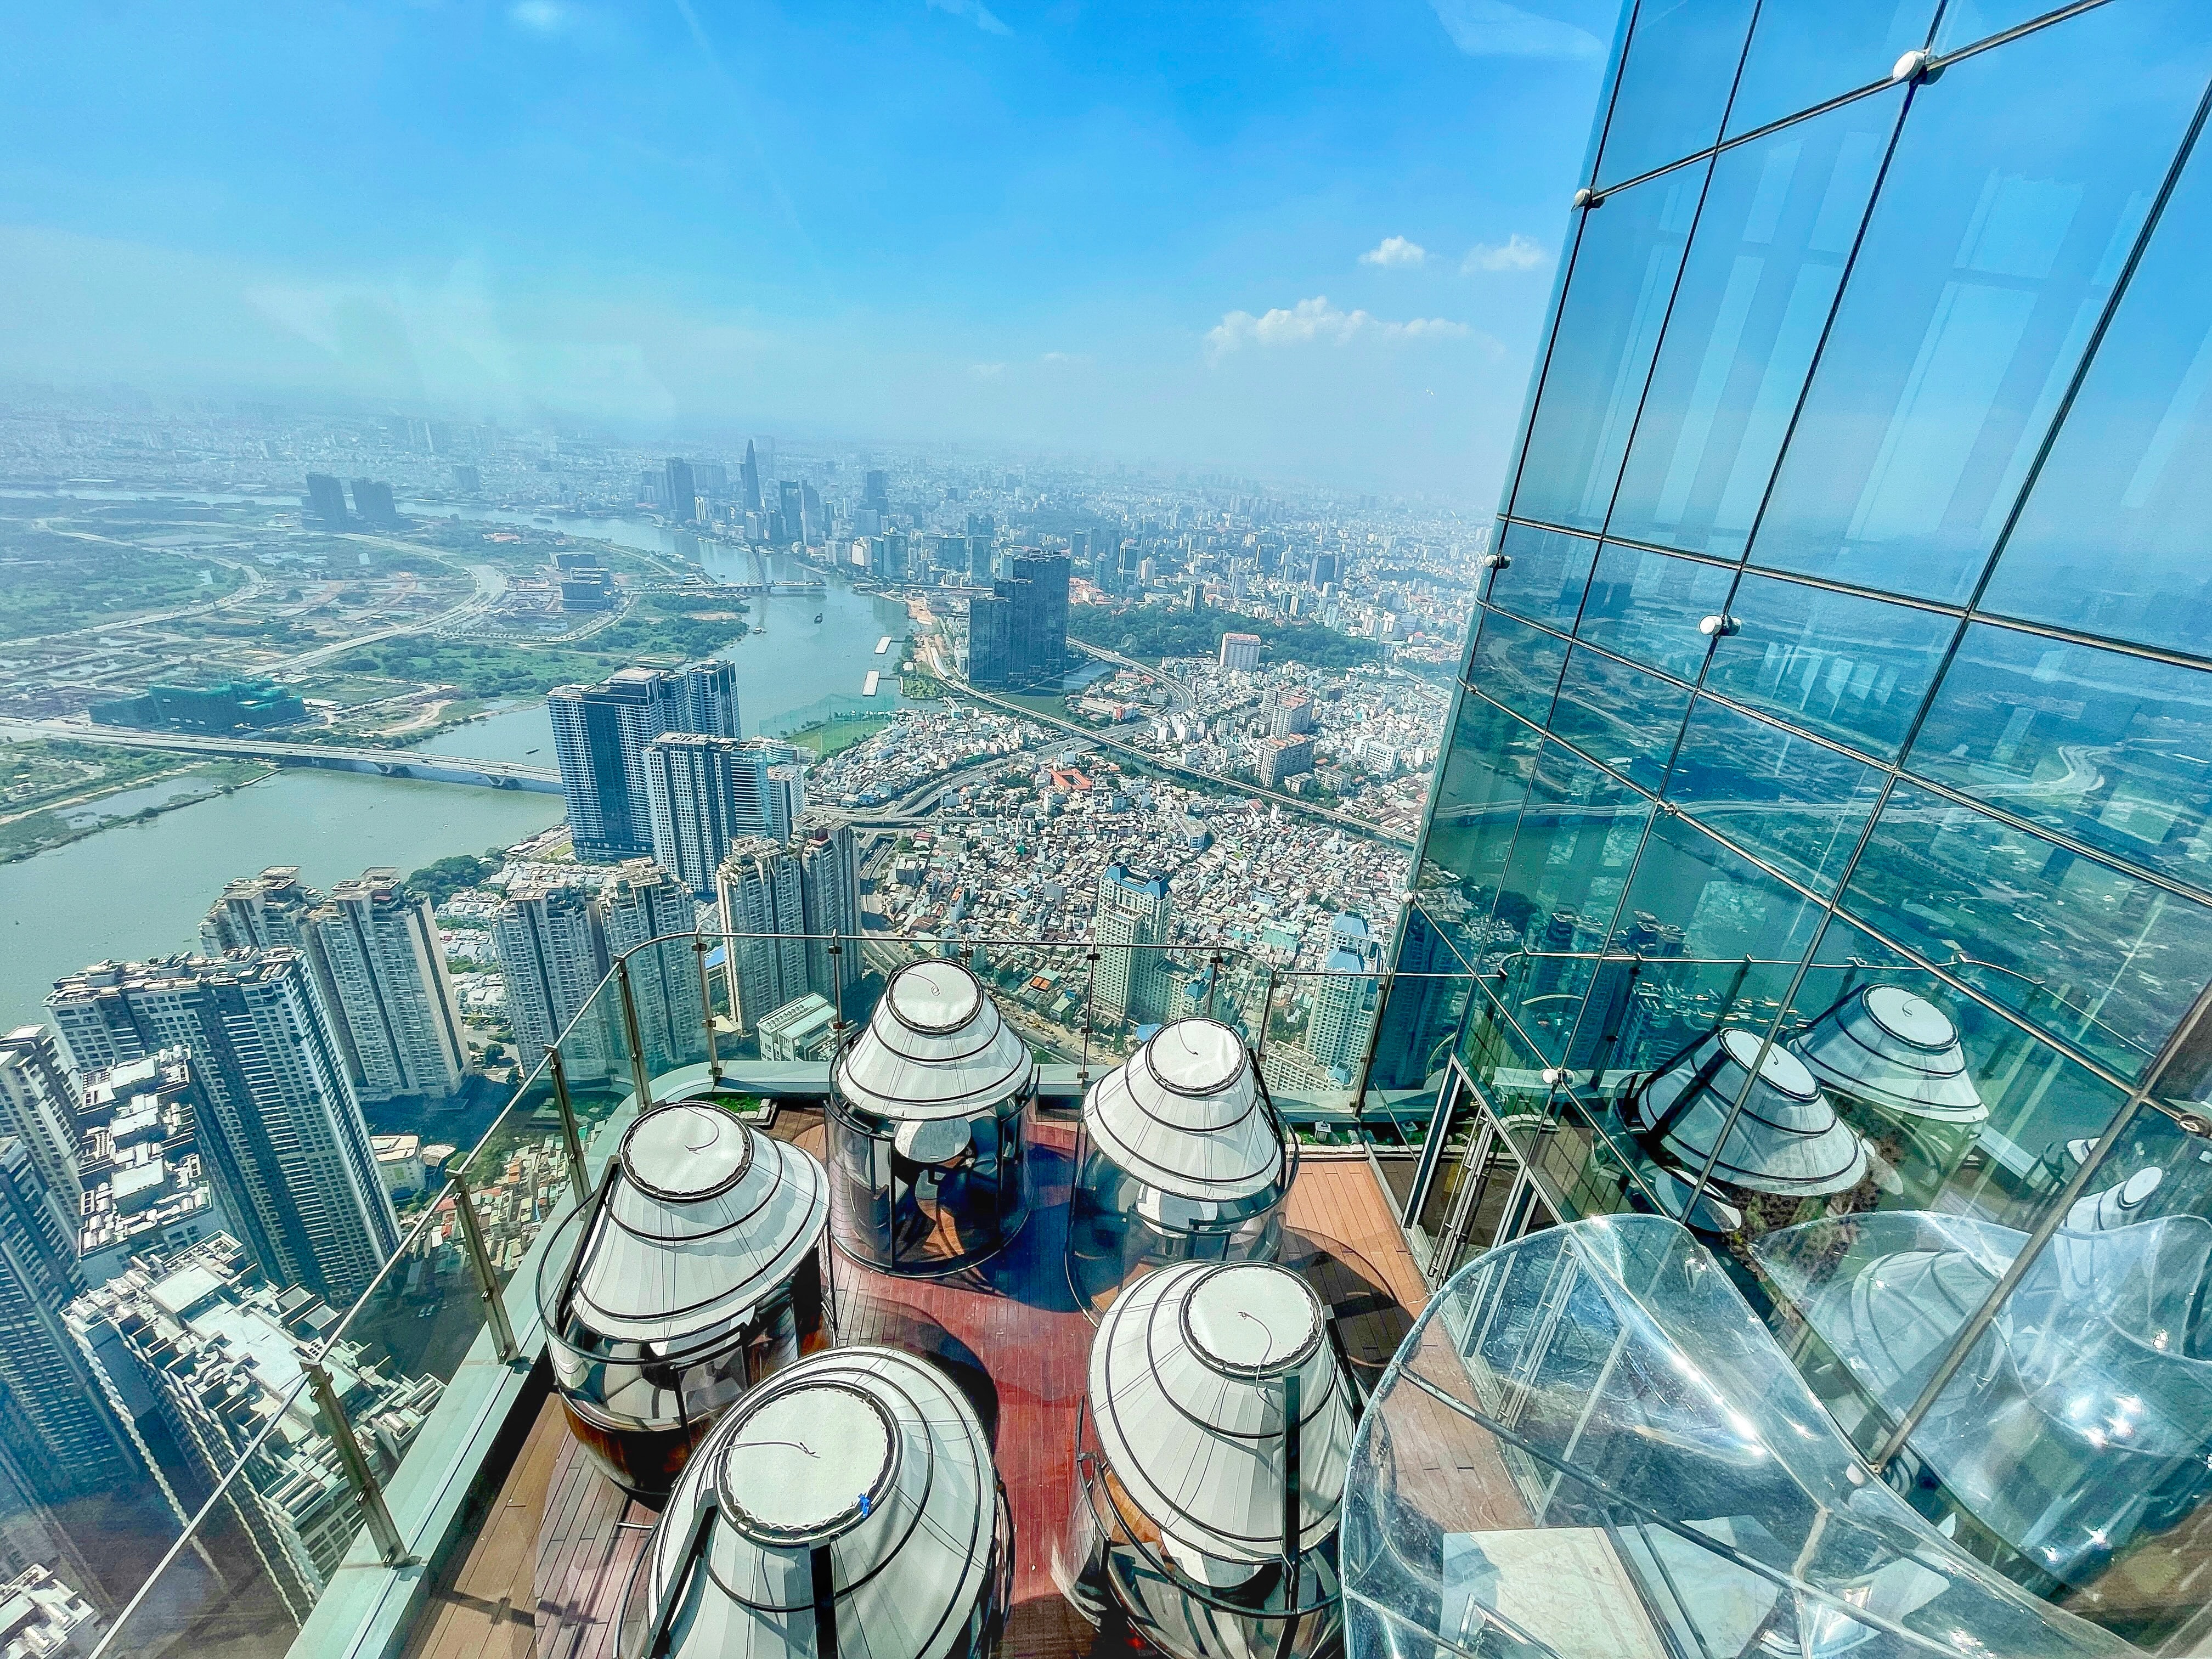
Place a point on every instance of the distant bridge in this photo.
(383, 762)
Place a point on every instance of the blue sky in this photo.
(1132, 230)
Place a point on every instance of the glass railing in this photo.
(348, 1440)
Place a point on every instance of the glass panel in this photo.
(1621, 715)
(1855, 669)
(1647, 606)
(1779, 220)
(1625, 260)
(1674, 80)
(1965, 21)
(2112, 539)
(2106, 962)
(1784, 797)
(2110, 750)
(1478, 801)
(1545, 579)
(2013, 195)
(1421, 1014)
(1579, 833)
(1804, 53)
(1517, 665)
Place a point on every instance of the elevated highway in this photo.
(384, 762)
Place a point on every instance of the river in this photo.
(139, 889)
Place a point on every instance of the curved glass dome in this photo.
(695, 1270)
(1883, 1045)
(848, 1506)
(2080, 1418)
(927, 1111)
(1591, 1445)
(1183, 1157)
(1787, 1140)
(1205, 1522)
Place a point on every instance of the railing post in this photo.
(1212, 982)
(365, 1493)
(706, 1006)
(633, 1036)
(472, 1239)
(572, 1140)
(1267, 1012)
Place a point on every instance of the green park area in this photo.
(1151, 632)
(56, 582)
(840, 732)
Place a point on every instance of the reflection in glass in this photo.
(1780, 218)
(1621, 715)
(2107, 749)
(1610, 315)
(2111, 540)
(1485, 775)
(1647, 606)
(1517, 665)
(1673, 85)
(2100, 959)
(1893, 1063)
(1794, 802)
(2007, 210)
(1765, 1131)
(1804, 53)
(1544, 579)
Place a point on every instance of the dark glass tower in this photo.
(1821, 851)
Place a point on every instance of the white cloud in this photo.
(974, 10)
(544, 16)
(987, 371)
(1516, 253)
(1394, 250)
(1492, 29)
(1315, 319)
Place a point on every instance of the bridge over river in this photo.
(386, 763)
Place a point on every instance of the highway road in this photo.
(385, 763)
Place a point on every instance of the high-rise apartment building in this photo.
(1240, 653)
(373, 503)
(373, 955)
(281, 1137)
(195, 1353)
(703, 793)
(325, 503)
(1281, 759)
(38, 1106)
(553, 951)
(831, 894)
(762, 886)
(600, 737)
(1129, 982)
(1821, 850)
(56, 1433)
(146, 1189)
(1343, 1012)
(648, 913)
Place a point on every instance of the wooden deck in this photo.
(545, 1573)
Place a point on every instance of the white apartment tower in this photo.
(552, 949)
(38, 1107)
(1130, 982)
(704, 792)
(281, 1140)
(761, 885)
(643, 903)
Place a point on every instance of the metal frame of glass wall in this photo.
(1843, 629)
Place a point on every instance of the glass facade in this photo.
(1829, 764)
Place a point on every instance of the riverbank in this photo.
(55, 824)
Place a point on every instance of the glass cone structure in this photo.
(926, 1126)
(1183, 1157)
(1822, 827)
(695, 1271)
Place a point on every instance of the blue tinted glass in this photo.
(2011, 202)
(2117, 535)
(1855, 669)
(1779, 220)
(1579, 833)
(1721, 941)
(1674, 80)
(1484, 773)
(1626, 262)
(1517, 665)
(2093, 957)
(2113, 750)
(1796, 804)
(1647, 606)
(1804, 53)
(1965, 21)
(1545, 579)
(1623, 716)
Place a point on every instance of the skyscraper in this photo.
(644, 903)
(704, 793)
(1813, 853)
(373, 503)
(749, 477)
(553, 951)
(325, 503)
(991, 639)
(831, 891)
(677, 487)
(57, 1432)
(1131, 911)
(1344, 1001)
(761, 885)
(281, 1140)
(793, 509)
(873, 493)
(1240, 653)
(38, 1107)
(599, 737)
(1040, 625)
